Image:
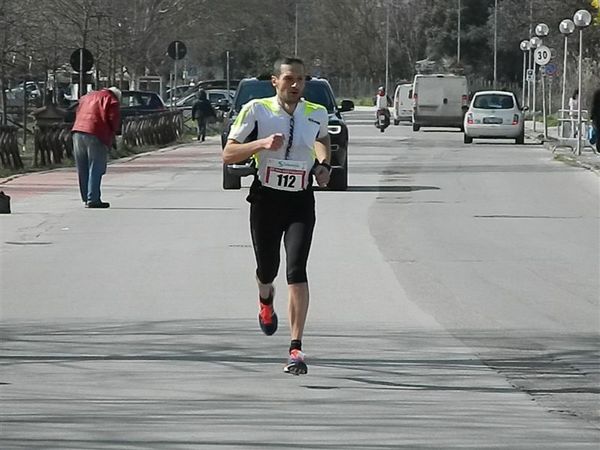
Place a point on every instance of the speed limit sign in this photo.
(542, 55)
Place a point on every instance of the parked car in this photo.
(33, 92)
(494, 115)
(135, 103)
(185, 91)
(216, 97)
(439, 100)
(402, 110)
(179, 92)
(317, 90)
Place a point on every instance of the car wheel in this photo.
(339, 180)
(339, 177)
(520, 140)
(230, 181)
(416, 127)
(468, 139)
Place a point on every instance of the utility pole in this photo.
(227, 75)
(296, 31)
(530, 19)
(495, 42)
(387, 47)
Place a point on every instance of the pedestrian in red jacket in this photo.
(97, 121)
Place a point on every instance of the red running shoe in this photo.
(267, 319)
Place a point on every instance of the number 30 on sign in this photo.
(542, 55)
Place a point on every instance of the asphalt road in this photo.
(455, 304)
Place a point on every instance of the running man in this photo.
(291, 147)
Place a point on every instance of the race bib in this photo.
(286, 175)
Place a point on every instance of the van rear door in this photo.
(454, 95)
(430, 94)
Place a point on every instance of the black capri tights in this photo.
(272, 218)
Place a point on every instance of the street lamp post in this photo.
(566, 27)
(525, 46)
(582, 19)
(534, 42)
(542, 30)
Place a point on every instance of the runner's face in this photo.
(290, 83)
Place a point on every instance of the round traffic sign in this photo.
(551, 69)
(80, 59)
(177, 50)
(542, 55)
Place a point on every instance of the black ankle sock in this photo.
(296, 344)
(268, 300)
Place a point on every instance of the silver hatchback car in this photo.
(494, 115)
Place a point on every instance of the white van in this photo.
(439, 100)
(403, 103)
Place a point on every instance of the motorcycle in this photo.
(383, 119)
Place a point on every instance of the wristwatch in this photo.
(326, 165)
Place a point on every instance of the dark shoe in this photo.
(267, 319)
(296, 364)
(97, 205)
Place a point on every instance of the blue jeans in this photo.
(91, 156)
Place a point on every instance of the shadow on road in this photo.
(441, 130)
(495, 143)
(391, 188)
(174, 208)
(218, 384)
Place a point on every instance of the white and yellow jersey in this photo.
(287, 168)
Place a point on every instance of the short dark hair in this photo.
(285, 61)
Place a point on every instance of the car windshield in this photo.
(315, 92)
(493, 101)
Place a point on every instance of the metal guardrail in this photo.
(570, 141)
(9, 148)
(52, 143)
(152, 129)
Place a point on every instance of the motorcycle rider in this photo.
(381, 106)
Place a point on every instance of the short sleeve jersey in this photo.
(300, 131)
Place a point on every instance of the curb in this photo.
(572, 160)
(566, 158)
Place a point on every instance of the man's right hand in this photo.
(273, 142)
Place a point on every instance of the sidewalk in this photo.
(588, 159)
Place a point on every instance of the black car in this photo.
(136, 103)
(316, 90)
